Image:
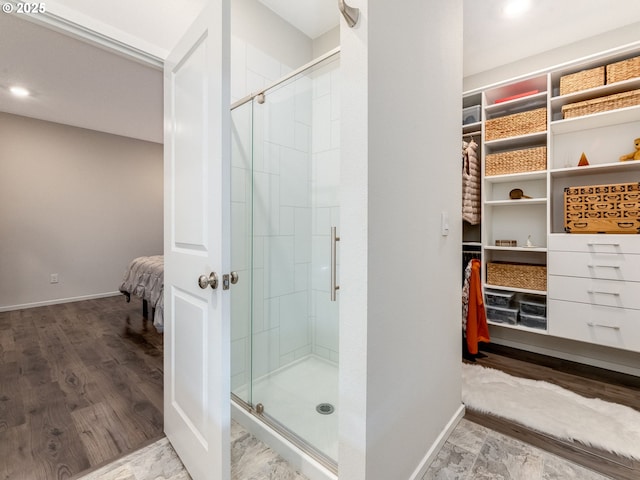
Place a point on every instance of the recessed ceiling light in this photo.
(515, 8)
(19, 91)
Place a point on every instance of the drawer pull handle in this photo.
(604, 266)
(597, 244)
(603, 292)
(591, 324)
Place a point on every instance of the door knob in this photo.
(211, 280)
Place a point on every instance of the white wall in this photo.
(74, 202)
(263, 48)
(326, 42)
(558, 56)
(400, 378)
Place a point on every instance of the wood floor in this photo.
(80, 384)
(586, 381)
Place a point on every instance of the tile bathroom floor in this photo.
(472, 452)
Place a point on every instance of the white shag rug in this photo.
(552, 410)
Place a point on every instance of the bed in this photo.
(144, 278)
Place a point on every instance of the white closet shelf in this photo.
(519, 327)
(512, 289)
(520, 141)
(517, 177)
(588, 94)
(472, 129)
(596, 120)
(518, 104)
(513, 203)
(598, 169)
(517, 249)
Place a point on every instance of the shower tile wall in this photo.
(290, 304)
(326, 176)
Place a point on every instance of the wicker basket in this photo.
(602, 104)
(624, 70)
(516, 124)
(594, 77)
(517, 275)
(516, 161)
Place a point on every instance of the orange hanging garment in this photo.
(477, 329)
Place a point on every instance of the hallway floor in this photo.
(472, 452)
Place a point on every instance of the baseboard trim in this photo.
(438, 444)
(599, 356)
(57, 301)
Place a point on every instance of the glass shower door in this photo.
(296, 162)
(241, 243)
(284, 322)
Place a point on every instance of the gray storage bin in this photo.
(533, 307)
(498, 298)
(533, 321)
(502, 314)
(471, 114)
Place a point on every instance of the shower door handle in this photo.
(334, 243)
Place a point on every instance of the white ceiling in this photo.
(76, 84)
(490, 40)
(311, 17)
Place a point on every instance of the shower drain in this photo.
(325, 408)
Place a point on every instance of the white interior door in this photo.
(197, 205)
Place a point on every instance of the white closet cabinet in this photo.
(593, 280)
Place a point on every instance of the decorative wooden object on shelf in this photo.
(506, 243)
(583, 160)
(517, 194)
(602, 208)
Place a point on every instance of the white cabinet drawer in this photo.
(612, 327)
(595, 291)
(624, 267)
(594, 243)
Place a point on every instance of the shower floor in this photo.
(290, 396)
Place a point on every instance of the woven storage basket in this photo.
(594, 77)
(624, 70)
(517, 275)
(516, 124)
(602, 104)
(613, 208)
(516, 161)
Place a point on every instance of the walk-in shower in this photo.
(285, 215)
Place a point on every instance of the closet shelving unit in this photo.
(505, 218)
(471, 234)
(593, 281)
